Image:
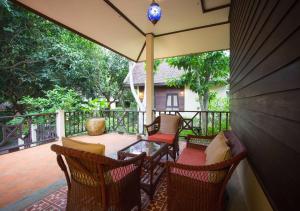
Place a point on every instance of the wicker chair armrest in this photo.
(133, 160)
(196, 146)
(137, 160)
(194, 141)
(150, 125)
(128, 170)
(212, 167)
(152, 128)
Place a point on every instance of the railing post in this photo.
(60, 124)
(141, 122)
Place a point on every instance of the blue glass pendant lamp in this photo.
(154, 12)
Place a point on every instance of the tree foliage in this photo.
(108, 80)
(202, 72)
(56, 99)
(37, 55)
(61, 98)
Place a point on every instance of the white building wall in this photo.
(221, 91)
(191, 100)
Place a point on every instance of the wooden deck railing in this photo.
(123, 121)
(201, 122)
(132, 122)
(24, 131)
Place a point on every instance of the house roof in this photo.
(186, 27)
(164, 72)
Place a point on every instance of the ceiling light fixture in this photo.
(154, 12)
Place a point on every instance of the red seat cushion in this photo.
(193, 157)
(190, 156)
(166, 138)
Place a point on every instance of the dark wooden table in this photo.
(153, 168)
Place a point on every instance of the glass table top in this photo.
(144, 146)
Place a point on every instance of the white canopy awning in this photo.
(186, 26)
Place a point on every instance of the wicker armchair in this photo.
(97, 182)
(155, 132)
(202, 187)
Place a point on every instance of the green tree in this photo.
(107, 80)
(201, 73)
(56, 99)
(37, 55)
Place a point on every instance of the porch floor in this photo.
(29, 175)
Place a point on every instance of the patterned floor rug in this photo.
(57, 201)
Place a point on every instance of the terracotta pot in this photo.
(95, 126)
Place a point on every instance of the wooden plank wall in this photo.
(265, 93)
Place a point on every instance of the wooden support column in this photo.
(149, 77)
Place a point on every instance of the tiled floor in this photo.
(24, 172)
(29, 175)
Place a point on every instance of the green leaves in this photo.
(37, 55)
(202, 72)
(56, 99)
(94, 105)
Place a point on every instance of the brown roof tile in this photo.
(163, 73)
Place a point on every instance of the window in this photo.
(172, 102)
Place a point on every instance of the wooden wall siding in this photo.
(265, 93)
(161, 97)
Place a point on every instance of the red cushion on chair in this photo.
(190, 156)
(193, 157)
(167, 138)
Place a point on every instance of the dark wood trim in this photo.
(258, 178)
(252, 43)
(204, 10)
(69, 28)
(238, 80)
(124, 16)
(138, 58)
(236, 74)
(194, 28)
(165, 57)
(264, 93)
(250, 34)
(127, 19)
(246, 25)
(167, 33)
(233, 91)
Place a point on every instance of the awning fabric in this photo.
(186, 26)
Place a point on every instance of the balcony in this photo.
(31, 171)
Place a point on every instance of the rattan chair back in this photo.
(97, 182)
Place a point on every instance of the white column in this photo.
(60, 124)
(149, 77)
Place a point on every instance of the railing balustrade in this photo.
(201, 122)
(132, 122)
(25, 131)
(122, 121)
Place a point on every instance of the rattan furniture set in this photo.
(96, 182)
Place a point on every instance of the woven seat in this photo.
(201, 187)
(96, 182)
(166, 138)
(191, 156)
(165, 128)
